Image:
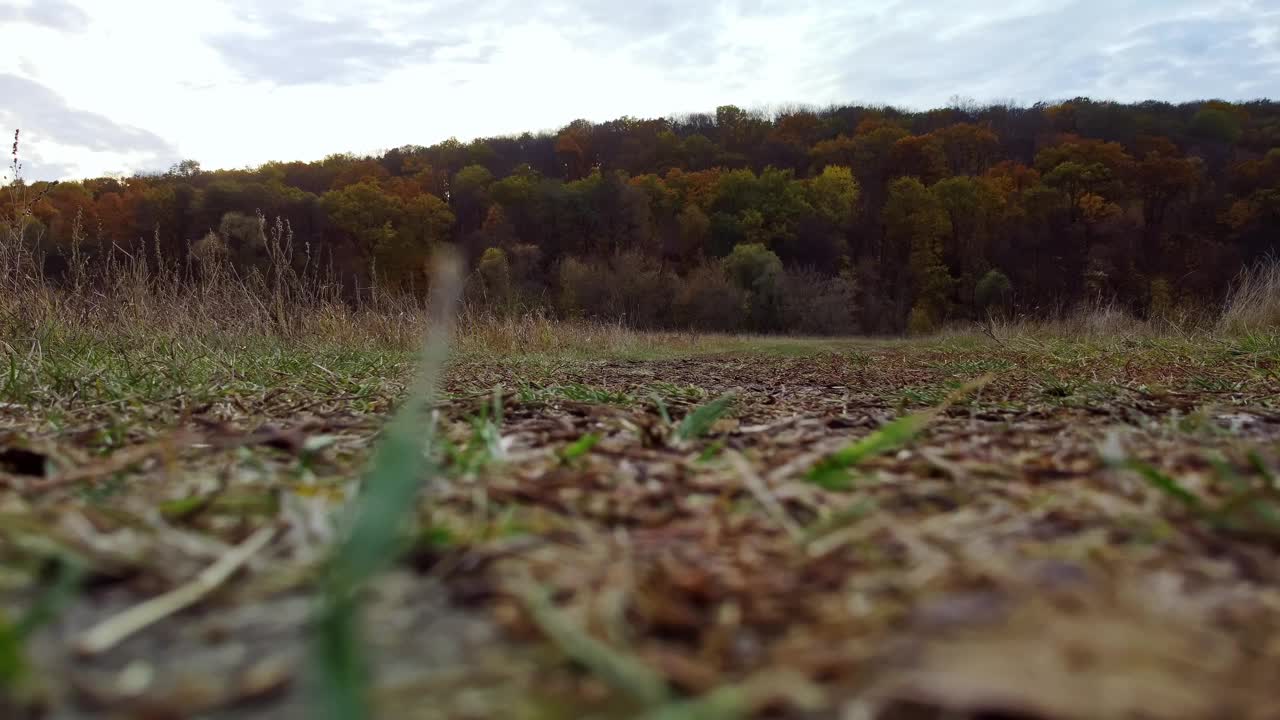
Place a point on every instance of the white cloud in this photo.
(55, 14)
(239, 82)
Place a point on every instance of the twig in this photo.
(989, 328)
(107, 634)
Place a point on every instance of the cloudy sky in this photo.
(109, 86)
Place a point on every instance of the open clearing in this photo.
(1066, 530)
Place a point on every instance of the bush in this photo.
(921, 321)
(584, 288)
(528, 278)
(757, 270)
(817, 304)
(993, 292)
(642, 289)
(494, 274)
(1161, 303)
(707, 300)
(629, 286)
(244, 238)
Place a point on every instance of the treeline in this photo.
(845, 219)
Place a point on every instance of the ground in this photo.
(959, 527)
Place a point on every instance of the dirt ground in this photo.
(1062, 530)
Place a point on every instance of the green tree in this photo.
(394, 234)
(243, 239)
(495, 277)
(757, 270)
(834, 194)
(1216, 123)
(915, 221)
(993, 292)
(694, 229)
(469, 196)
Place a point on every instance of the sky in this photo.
(102, 87)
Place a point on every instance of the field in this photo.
(587, 522)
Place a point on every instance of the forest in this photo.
(840, 220)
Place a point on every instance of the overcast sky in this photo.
(108, 86)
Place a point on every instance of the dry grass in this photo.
(1098, 322)
(1254, 303)
(146, 297)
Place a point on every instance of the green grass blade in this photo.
(711, 452)
(1166, 485)
(726, 703)
(1260, 503)
(400, 464)
(889, 437)
(832, 472)
(699, 422)
(625, 673)
(45, 607)
(1255, 459)
(662, 408)
(12, 654)
(579, 447)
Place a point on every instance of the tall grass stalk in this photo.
(399, 467)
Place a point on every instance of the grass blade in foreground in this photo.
(1166, 485)
(699, 422)
(43, 609)
(580, 447)
(386, 496)
(1249, 510)
(625, 673)
(832, 472)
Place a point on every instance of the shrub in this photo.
(993, 292)
(244, 238)
(757, 270)
(584, 289)
(817, 304)
(494, 274)
(527, 276)
(642, 289)
(707, 300)
(921, 321)
(1161, 304)
(629, 286)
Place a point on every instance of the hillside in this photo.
(821, 221)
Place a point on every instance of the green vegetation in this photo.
(397, 470)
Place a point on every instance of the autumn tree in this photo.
(918, 156)
(394, 235)
(695, 231)
(915, 225)
(1154, 204)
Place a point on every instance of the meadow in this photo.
(238, 498)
